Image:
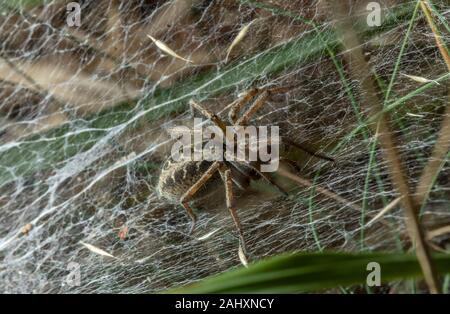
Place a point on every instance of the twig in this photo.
(442, 144)
(362, 73)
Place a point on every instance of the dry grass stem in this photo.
(438, 232)
(442, 144)
(362, 73)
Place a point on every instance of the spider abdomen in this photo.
(177, 177)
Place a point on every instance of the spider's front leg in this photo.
(190, 193)
(208, 114)
(264, 94)
(211, 116)
(225, 172)
(237, 105)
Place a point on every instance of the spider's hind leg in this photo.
(306, 149)
(256, 168)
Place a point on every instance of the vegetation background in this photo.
(84, 119)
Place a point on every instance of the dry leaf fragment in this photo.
(167, 49)
(123, 233)
(208, 235)
(96, 250)
(26, 229)
(414, 115)
(238, 39)
(420, 79)
(242, 257)
(388, 207)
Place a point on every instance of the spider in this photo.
(185, 181)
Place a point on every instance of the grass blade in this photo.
(303, 272)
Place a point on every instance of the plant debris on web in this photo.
(84, 112)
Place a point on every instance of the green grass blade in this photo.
(303, 272)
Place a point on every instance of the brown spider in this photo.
(185, 181)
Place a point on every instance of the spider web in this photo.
(84, 115)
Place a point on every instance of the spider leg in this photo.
(228, 181)
(291, 162)
(268, 178)
(306, 149)
(208, 114)
(240, 179)
(213, 117)
(259, 102)
(191, 215)
(237, 106)
(190, 193)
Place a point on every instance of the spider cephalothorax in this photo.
(186, 180)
